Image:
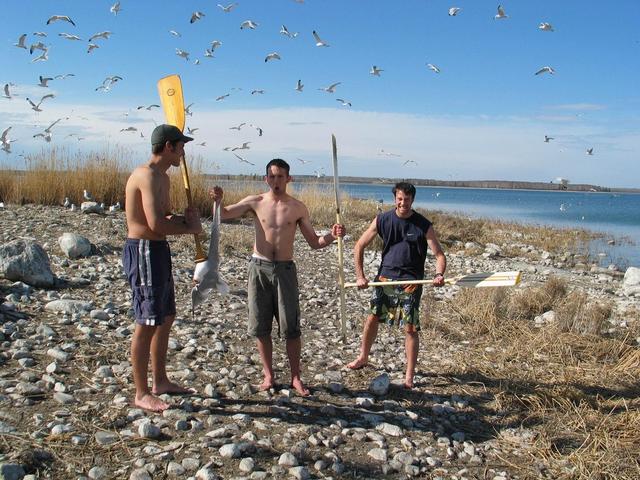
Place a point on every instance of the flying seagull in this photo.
(344, 103)
(272, 56)
(69, 36)
(104, 35)
(319, 41)
(187, 109)
(590, 151)
(35, 106)
(331, 88)
(140, 107)
(43, 81)
(431, 66)
(546, 27)
(285, 31)
(195, 16)
(238, 127)
(92, 47)
(222, 97)
(37, 46)
(388, 154)
(6, 93)
(192, 131)
(63, 76)
(248, 24)
(43, 57)
(40, 34)
(375, 71)
(407, 162)
(453, 11)
(64, 18)
(500, 15)
(21, 40)
(228, 8)
(215, 44)
(115, 8)
(299, 86)
(244, 146)
(174, 33)
(546, 69)
(242, 160)
(303, 161)
(258, 129)
(258, 91)
(547, 139)
(182, 53)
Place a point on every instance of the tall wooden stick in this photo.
(336, 188)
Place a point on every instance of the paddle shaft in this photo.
(481, 280)
(172, 99)
(336, 188)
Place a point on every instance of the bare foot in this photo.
(151, 403)
(357, 364)
(267, 384)
(300, 388)
(171, 389)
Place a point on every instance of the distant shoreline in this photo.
(488, 184)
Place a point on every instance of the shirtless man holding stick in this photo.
(273, 283)
(147, 263)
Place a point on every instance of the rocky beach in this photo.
(538, 399)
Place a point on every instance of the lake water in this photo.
(615, 214)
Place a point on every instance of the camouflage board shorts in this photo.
(397, 303)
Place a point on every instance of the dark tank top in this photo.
(405, 245)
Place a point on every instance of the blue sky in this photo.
(484, 116)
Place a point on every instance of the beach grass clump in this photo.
(54, 174)
(526, 303)
(578, 314)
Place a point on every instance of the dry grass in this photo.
(576, 389)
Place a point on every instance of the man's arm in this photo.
(441, 260)
(309, 233)
(237, 209)
(153, 195)
(358, 252)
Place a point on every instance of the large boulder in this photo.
(26, 261)
(74, 245)
(91, 207)
(631, 281)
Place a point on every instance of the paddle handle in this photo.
(343, 310)
(200, 256)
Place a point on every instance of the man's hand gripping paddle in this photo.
(170, 90)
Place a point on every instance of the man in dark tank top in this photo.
(406, 235)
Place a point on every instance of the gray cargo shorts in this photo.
(273, 292)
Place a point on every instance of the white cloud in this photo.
(444, 147)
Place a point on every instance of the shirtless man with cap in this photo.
(147, 264)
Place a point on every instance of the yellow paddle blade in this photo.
(170, 90)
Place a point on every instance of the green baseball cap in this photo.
(167, 133)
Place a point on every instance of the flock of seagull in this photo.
(110, 81)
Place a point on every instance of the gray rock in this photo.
(91, 207)
(380, 385)
(69, 306)
(26, 261)
(149, 430)
(631, 281)
(206, 473)
(11, 471)
(74, 245)
(64, 398)
(175, 470)
(106, 438)
(229, 450)
(389, 429)
(379, 454)
(299, 473)
(288, 459)
(98, 473)
(140, 474)
(247, 465)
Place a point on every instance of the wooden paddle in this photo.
(170, 90)
(336, 189)
(472, 280)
